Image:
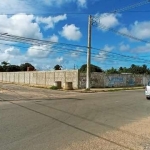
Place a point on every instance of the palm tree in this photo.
(4, 63)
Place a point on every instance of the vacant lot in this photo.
(42, 119)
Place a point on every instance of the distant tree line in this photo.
(134, 69)
(7, 67)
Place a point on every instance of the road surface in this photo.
(43, 119)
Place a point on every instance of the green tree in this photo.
(1, 68)
(93, 68)
(23, 67)
(134, 69)
(4, 65)
(138, 69)
(123, 70)
(57, 67)
(144, 69)
(12, 68)
(112, 71)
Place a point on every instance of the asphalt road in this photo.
(42, 119)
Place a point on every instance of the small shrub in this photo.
(54, 88)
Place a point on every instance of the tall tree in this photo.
(57, 67)
(93, 68)
(1, 68)
(4, 65)
(23, 67)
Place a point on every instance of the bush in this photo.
(54, 88)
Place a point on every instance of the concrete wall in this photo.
(43, 78)
(99, 80)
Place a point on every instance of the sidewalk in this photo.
(93, 90)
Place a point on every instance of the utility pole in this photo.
(89, 53)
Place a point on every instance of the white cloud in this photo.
(124, 47)
(59, 60)
(12, 55)
(8, 53)
(12, 51)
(141, 49)
(74, 54)
(15, 56)
(71, 32)
(77, 52)
(28, 6)
(140, 30)
(51, 21)
(103, 53)
(80, 3)
(41, 51)
(54, 38)
(14, 6)
(28, 25)
(54, 2)
(107, 20)
(21, 25)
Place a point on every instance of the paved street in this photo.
(43, 119)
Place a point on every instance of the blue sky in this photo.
(66, 21)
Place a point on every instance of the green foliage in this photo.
(139, 69)
(112, 71)
(134, 69)
(123, 70)
(57, 67)
(12, 68)
(93, 68)
(1, 69)
(7, 67)
(4, 63)
(23, 67)
(54, 88)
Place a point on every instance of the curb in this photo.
(108, 90)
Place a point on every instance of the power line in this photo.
(50, 43)
(132, 6)
(35, 41)
(72, 13)
(87, 13)
(123, 34)
(115, 11)
(32, 40)
(79, 51)
(122, 9)
(102, 26)
(94, 55)
(75, 50)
